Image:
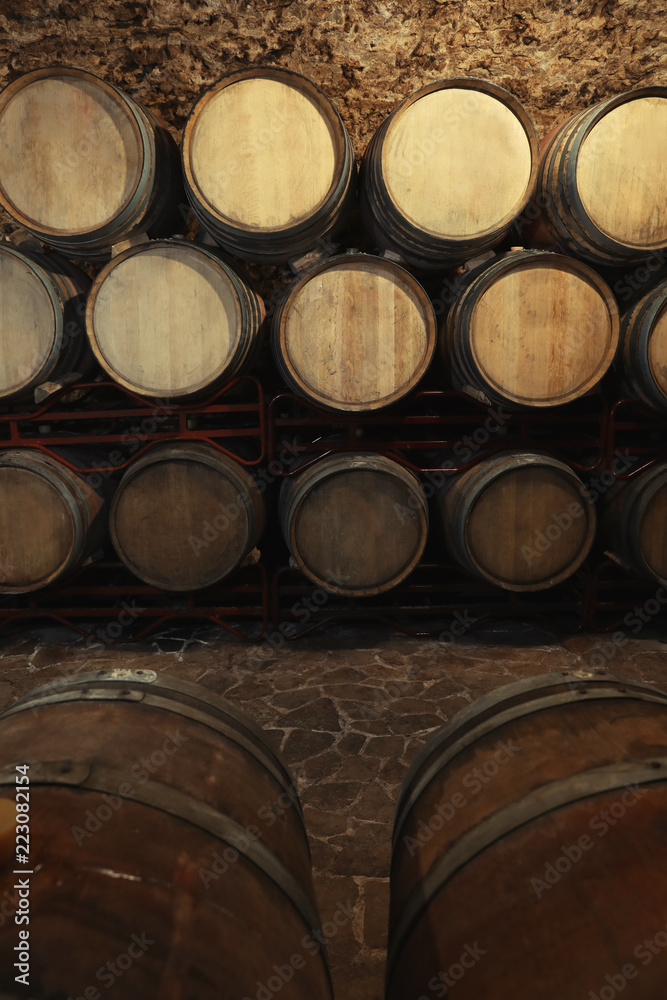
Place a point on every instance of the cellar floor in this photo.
(349, 708)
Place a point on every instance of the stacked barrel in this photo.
(448, 181)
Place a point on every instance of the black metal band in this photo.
(588, 690)
(539, 803)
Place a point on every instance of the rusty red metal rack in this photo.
(105, 603)
(103, 415)
(114, 427)
(438, 600)
(637, 434)
(434, 421)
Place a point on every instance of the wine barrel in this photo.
(644, 348)
(355, 332)
(42, 328)
(602, 178)
(447, 173)
(528, 857)
(356, 524)
(633, 523)
(184, 516)
(82, 165)
(530, 328)
(51, 520)
(163, 827)
(269, 167)
(171, 319)
(521, 520)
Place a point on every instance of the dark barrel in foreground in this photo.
(166, 845)
(528, 858)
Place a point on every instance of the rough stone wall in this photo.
(557, 56)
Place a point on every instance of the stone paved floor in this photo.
(349, 709)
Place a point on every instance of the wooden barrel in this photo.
(521, 520)
(41, 324)
(530, 328)
(528, 858)
(82, 165)
(449, 170)
(51, 520)
(163, 827)
(171, 319)
(354, 333)
(269, 168)
(355, 523)
(185, 515)
(602, 178)
(633, 523)
(644, 348)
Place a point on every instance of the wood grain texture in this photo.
(50, 520)
(533, 329)
(448, 171)
(184, 516)
(356, 524)
(49, 123)
(82, 165)
(621, 173)
(171, 319)
(602, 176)
(520, 520)
(190, 779)
(540, 923)
(355, 333)
(457, 163)
(277, 151)
(268, 165)
(41, 331)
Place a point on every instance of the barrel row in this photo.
(184, 516)
(536, 789)
(269, 170)
(173, 319)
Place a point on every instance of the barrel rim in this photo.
(529, 260)
(57, 307)
(67, 484)
(223, 370)
(203, 454)
(344, 166)
(355, 260)
(126, 103)
(505, 97)
(292, 501)
(580, 786)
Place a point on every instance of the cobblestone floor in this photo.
(349, 709)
